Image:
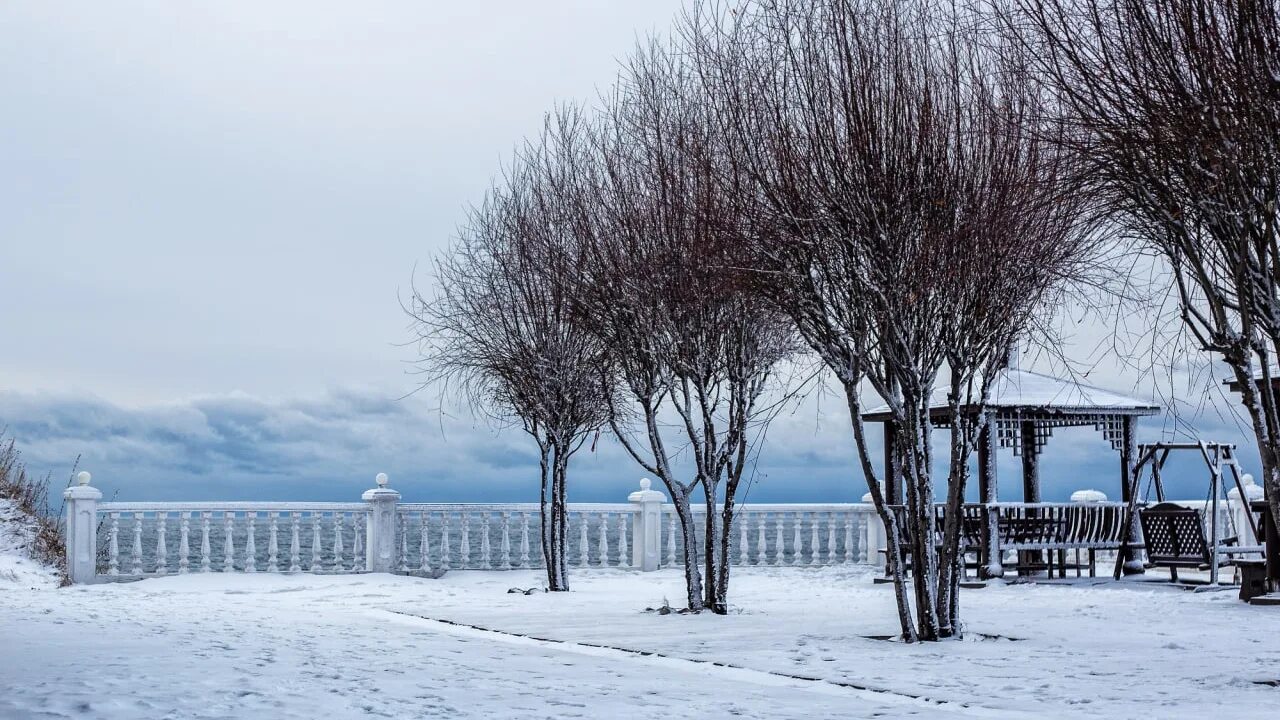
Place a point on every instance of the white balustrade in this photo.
(599, 535)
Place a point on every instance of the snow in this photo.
(796, 646)
(1026, 389)
(17, 569)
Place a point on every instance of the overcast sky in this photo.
(209, 213)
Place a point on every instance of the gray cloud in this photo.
(328, 447)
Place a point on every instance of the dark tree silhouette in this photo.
(1175, 107)
(500, 328)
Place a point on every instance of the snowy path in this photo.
(272, 646)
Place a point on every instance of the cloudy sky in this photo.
(210, 212)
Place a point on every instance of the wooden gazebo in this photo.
(1023, 409)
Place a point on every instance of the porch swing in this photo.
(1174, 535)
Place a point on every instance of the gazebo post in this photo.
(1030, 481)
(892, 481)
(1030, 463)
(1135, 558)
(892, 484)
(988, 493)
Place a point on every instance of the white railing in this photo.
(108, 541)
(123, 540)
(144, 539)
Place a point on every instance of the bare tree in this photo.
(691, 348)
(904, 217)
(1175, 105)
(500, 327)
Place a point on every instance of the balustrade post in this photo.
(82, 529)
(876, 538)
(646, 527)
(380, 530)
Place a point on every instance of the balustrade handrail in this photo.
(231, 506)
(510, 507)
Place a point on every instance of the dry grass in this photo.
(31, 495)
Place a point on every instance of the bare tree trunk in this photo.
(720, 603)
(553, 463)
(560, 517)
(892, 533)
(689, 533)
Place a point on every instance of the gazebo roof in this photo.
(1035, 393)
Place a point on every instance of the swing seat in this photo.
(1174, 538)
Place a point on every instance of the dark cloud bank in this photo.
(329, 448)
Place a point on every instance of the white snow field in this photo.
(301, 646)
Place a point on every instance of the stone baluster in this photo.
(848, 537)
(317, 544)
(424, 542)
(444, 540)
(404, 546)
(464, 545)
(486, 562)
(137, 543)
(184, 542)
(831, 538)
(337, 542)
(779, 541)
(359, 527)
(604, 540)
(506, 541)
(672, 521)
(584, 545)
(205, 552)
(796, 541)
(295, 547)
(762, 541)
(228, 542)
(250, 543)
(815, 551)
(524, 539)
(162, 549)
(113, 546)
(744, 541)
(273, 543)
(623, 551)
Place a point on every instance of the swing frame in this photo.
(1217, 456)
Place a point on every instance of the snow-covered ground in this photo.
(17, 535)
(275, 646)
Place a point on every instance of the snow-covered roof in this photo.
(1026, 389)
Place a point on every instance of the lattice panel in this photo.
(1009, 428)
